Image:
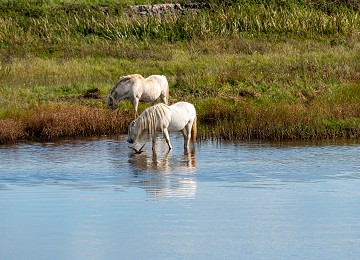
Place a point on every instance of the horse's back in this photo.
(153, 87)
(181, 114)
(159, 80)
(184, 106)
(156, 77)
(139, 81)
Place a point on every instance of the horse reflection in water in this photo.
(165, 174)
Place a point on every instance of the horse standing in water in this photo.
(137, 88)
(180, 116)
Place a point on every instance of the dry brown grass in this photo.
(51, 122)
(11, 131)
(280, 122)
(220, 120)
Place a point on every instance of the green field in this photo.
(254, 69)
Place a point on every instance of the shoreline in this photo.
(58, 122)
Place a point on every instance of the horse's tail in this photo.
(166, 90)
(167, 93)
(193, 131)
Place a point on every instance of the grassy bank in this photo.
(253, 69)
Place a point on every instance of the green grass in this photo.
(53, 30)
(253, 69)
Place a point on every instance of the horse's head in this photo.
(133, 132)
(119, 91)
(110, 103)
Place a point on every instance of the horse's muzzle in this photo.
(110, 104)
(112, 107)
(130, 141)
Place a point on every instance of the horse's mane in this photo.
(151, 117)
(124, 79)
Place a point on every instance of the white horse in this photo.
(180, 116)
(137, 88)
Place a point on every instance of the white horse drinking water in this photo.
(137, 88)
(180, 116)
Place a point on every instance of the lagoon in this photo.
(95, 199)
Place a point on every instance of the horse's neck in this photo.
(153, 120)
(143, 124)
(121, 91)
(125, 87)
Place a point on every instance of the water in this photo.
(94, 199)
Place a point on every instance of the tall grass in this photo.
(36, 27)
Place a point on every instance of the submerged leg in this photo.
(187, 135)
(167, 138)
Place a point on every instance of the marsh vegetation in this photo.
(254, 69)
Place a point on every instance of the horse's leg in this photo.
(135, 102)
(167, 138)
(187, 135)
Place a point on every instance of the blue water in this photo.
(94, 199)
